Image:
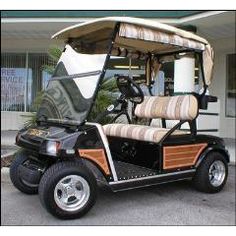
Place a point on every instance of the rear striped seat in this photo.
(184, 107)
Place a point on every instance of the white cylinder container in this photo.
(184, 75)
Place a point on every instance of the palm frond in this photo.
(48, 68)
(109, 85)
(54, 53)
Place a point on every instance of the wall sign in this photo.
(13, 85)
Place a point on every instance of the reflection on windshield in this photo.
(62, 100)
(70, 92)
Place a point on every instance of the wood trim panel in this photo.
(96, 155)
(181, 155)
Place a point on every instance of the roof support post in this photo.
(184, 69)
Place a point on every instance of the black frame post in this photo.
(112, 41)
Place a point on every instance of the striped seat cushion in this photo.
(138, 132)
(184, 107)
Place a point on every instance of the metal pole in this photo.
(26, 80)
(130, 64)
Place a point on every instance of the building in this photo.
(25, 39)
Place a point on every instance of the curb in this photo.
(8, 154)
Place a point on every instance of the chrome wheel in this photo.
(217, 173)
(72, 193)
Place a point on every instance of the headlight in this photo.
(52, 147)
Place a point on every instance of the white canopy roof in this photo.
(139, 34)
(78, 30)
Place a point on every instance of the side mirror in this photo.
(212, 98)
(203, 101)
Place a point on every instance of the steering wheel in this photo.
(130, 89)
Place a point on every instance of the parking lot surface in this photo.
(169, 204)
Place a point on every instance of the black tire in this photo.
(201, 179)
(56, 173)
(20, 158)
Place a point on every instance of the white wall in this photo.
(13, 120)
(28, 45)
(222, 47)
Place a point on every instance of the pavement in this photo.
(169, 204)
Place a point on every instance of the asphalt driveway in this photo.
(169, 204)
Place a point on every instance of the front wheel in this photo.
(16, 177)
(68, 190)
(212, 173)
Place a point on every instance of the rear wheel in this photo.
(212, 173)
(18, 181)
(68, 190)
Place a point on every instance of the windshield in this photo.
(71, 89)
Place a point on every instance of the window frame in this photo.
(227, 85)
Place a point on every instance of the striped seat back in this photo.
(184, 107)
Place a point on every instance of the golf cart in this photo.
(83, 138)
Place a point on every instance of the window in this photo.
(230, 85)
(22, 77)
